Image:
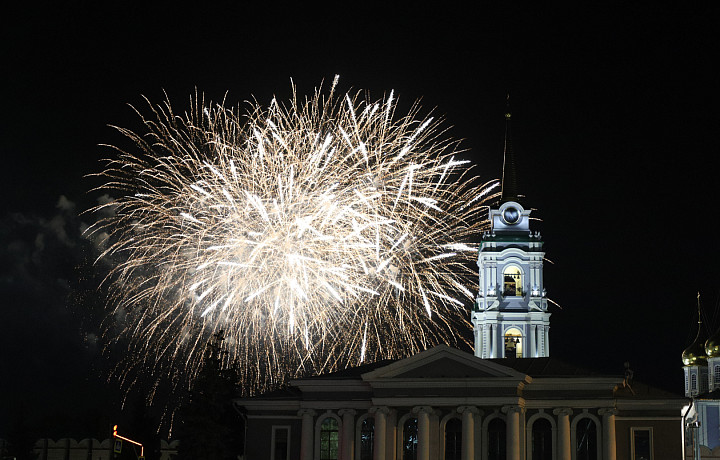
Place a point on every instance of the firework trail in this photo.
(320, 233)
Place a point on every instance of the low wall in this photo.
(70, 449)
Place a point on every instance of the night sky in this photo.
(615, 126)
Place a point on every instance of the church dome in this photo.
(712, 346)
(694, 355)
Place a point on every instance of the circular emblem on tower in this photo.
(511, 215)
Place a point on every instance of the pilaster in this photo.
(563, 433)
(380, 437)
(423, 418)
(512, 420)
(347, 447)
(306, 437)
(469, 413)
(609, 444)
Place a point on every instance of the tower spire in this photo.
(509, 191)
(695, 362)
(699, 337)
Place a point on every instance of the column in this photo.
(306, 440)
(609, 449)
(486, 342)
(493, 345)
(391, 434)
(379, 448)
(435, 434)
(423, 418)
(564, 442)
(532, 349)
(347, 448)
(546, 340)
(468, 431)
(512, 419)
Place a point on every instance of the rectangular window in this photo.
(280, 447)
(641, 440)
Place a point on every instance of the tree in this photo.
(21, 439)
(210, 427)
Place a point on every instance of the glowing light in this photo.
(317, 234)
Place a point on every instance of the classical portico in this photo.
(448, 404)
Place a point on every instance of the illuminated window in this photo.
(367, 437)
(280, 447)
(586, 440)
(693, 382)
(716, 375)
(496, 439)
(410, 439)
(542, 440)
(453, 439)
(642, 443)
(513, 343)
(329, 439)
(512, 281)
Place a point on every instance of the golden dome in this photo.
(694, 355)
(712, 346)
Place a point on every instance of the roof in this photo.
(534, 367)
(455, 367)
(289, 393)
(547, 367)
(640, 390)
(353, 372)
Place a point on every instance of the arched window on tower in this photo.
(541, 440)
(513, 343)
(329, 439)
(586, 435)
(410, 439)
(453, 439)
(496, 447)
(716, 375)
(512, 281)
(693, 382)
(367, 438)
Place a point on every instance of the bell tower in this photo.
(510, 317)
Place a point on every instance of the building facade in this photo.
(701, 369)
(448, 404)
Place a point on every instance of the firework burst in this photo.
(317, 234)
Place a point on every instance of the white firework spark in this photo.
(317, 234)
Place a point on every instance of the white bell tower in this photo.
(510, 317)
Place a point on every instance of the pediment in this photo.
(443, 362)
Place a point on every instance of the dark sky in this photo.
(615, 123)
